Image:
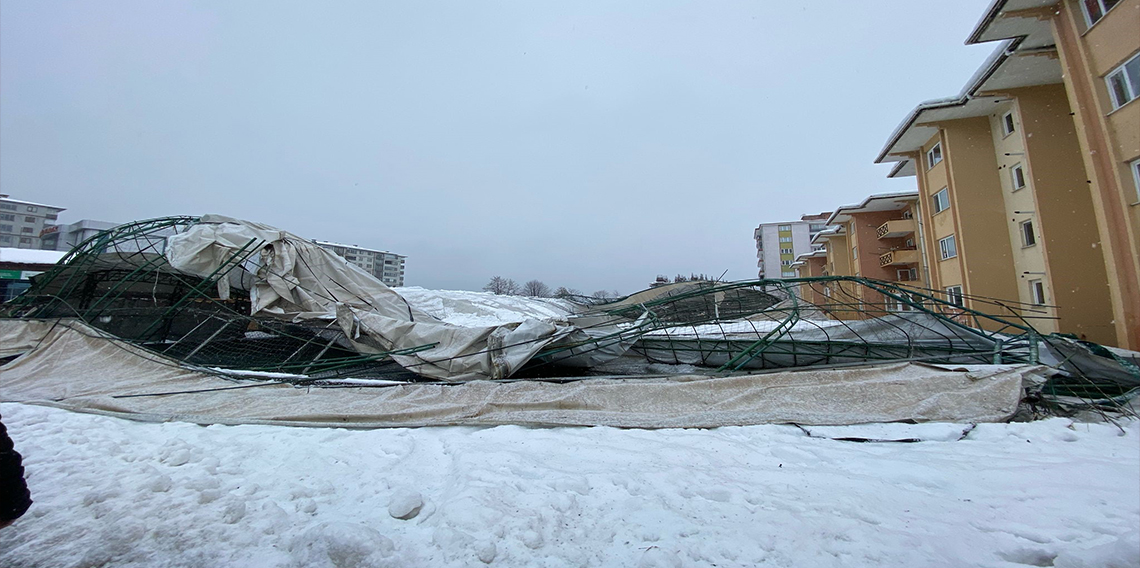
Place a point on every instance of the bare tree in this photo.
(605, 294)
(501, 286)
(536, 289)
(564, 292)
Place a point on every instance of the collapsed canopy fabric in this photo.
(297, 280)
(57, 370)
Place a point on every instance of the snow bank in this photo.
(477, 309)
(129, 494)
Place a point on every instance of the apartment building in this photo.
(810, 265)
(22, 222)
(386, 266)
(878, 238)
(778, 244)
(1004, 192)
(882, 237)
(1092, 50)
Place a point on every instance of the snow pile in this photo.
(126, 494)
(30, 256)
(478, 309)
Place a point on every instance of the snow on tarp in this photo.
(57, 372)
(298, 280)
(462, 307)
(30, 256)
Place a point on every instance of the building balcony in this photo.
(899, 258)
(895, 229)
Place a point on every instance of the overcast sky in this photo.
(589, 144)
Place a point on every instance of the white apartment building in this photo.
(22, 222)
(384, 265)
(778, 244)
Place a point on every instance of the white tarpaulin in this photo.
(77, 367)
(296, 280)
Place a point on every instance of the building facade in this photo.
(1021, 175)
(18, 266)
(65, 237)
(778, 244)
(1093, 47)
(22, 222)
(879, 238)
(386, 266)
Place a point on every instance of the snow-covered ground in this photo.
(110, 492)
(475, 309)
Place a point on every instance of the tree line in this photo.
(538, 289)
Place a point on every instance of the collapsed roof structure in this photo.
(240, 299)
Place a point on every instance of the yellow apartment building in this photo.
(1091, 48)
(1003, 200)
(843, 301)
(810, 265)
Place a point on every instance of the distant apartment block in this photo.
(22, 222)
(778, 244)
(65, 237)
(384, 265)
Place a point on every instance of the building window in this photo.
(6, 228)
(8, 206)
(1028, 239)
(785, 239)
(907, 274)
(7, 217)
(1134, 165)
(5, 239)
(785, 227)
(26, 230)
(33, 209)
(933, 156)
(785, 263)
(29, 219)
(948, 247)
(1037, 290)
(788, 273)
(816, 227)
(785, 251)
(941, 200)
(954, 295)
(855, 252)
(1095, 9)
(1007, 126)
(1017, 174)
(1124, 82)
(25, 241)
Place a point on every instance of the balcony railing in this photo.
(899, 257)
(895, 229)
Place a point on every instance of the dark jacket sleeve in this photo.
(14, 496)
